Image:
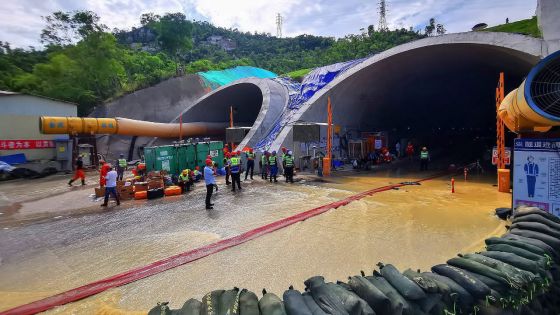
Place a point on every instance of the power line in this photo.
(382, 16)
(279, 21)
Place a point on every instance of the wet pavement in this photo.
(415, 226)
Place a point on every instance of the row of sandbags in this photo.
(518, 273)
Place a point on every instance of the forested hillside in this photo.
(85, 63)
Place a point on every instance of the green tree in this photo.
(431, 27)
(65, 28)
(174, 33)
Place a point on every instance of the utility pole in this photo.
(279, 20)
(382, 16)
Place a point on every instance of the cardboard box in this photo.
(100, 192)
(155, 184)
(141, 186)
(126, 196)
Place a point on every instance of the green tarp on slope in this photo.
(215, 79)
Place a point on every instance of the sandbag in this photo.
(456, 293)
(406, 287)
(312, 305)
(537, 227)
(327, 300)
(270, 304)
(474, 286)
(399, 305)
(535, 267)
(191, 307)
(427, 303)
(523, 211)
(294, 303)
(513, 274)
(229, 302)
(378, 301)
(548, 250)
(427, 284)
(535, 246)
(539, 219)
(549, 240)
(539, 259)
(248, 303)
(491, 283)
(161, 308)
(353, 303)
(211, 303)
(344, 285)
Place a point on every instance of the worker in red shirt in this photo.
(105, 167)
(410, 151)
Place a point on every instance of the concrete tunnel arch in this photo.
(440, 82)
(256, 102)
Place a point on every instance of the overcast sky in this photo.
(21, 23)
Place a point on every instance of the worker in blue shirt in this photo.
(210, 181)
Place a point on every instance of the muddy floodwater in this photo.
(414, 226)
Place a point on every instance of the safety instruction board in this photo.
(536, 174)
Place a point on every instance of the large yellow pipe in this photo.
(535, 105)
(128, 127)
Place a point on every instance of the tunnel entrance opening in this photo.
(442, 97)
(245, 98)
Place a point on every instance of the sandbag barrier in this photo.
(518, 273)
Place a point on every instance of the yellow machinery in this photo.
(128, 127)
(535, 105)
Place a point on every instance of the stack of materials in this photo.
(518, 273)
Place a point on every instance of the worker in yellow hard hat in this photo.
(185, 180)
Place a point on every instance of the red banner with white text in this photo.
(26, 144)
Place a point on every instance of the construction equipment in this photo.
(127, 127)
(535, 105)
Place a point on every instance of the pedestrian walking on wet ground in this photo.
(111, 187)
(210, 181)
(79, 172)
(103, 172)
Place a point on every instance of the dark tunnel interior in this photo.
(246, 99)
(442, 96)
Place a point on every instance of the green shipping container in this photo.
(166, 159)
(150, 158)
(214, 148)
(186, 157)
(175, 158)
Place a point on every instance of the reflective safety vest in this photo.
(263, 159)
(184, 178)
(122, 163)
(250, 156)
(289, 160)
(272, 160)
(196, 172)
(424, 155)
(235, 162)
